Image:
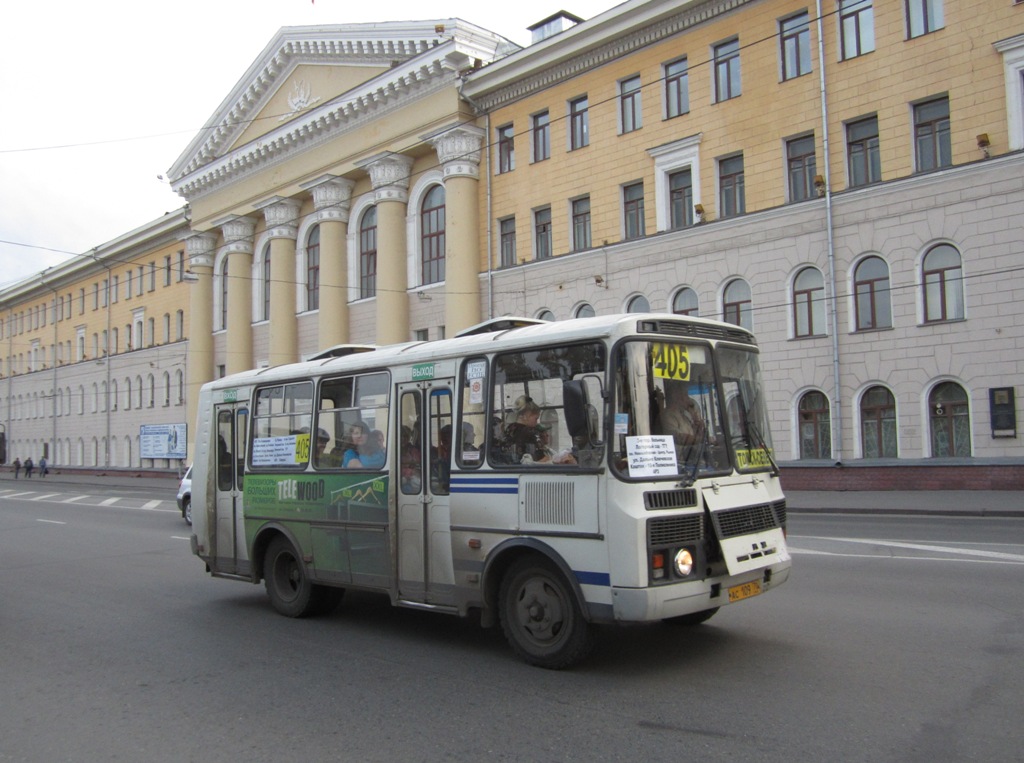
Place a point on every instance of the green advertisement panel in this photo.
(340, 520)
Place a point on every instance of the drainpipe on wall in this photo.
(837, 417)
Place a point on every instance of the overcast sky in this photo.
(100, 98)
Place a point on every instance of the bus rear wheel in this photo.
(290, 590)
(541, 617)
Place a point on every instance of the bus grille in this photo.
(549, 503)
(750, 519)
(671, 499)
(668, 531)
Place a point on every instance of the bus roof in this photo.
(509, 332)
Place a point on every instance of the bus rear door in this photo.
(425, 571)
(230, 554)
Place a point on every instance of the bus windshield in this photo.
(675, 417)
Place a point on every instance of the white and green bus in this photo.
(527, 471)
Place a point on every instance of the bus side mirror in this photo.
(577, 410)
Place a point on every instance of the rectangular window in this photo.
(856, 27)
(508, 242)
(680, 193)
(801, 167)
(862, 155)
(181, 266)
(506, 149)
(167, 270)
(541, 137)
(795, 39)
(923, 16)
(732, 197)
(579, 123)
(630, 107)
(633, 210)
(581, 223)
(104, 293)
(281, 426)
(95, 296)
(677, 88)
(931, 135)
(114, 286)
(542, 233)
(152, 276)
(727, 70)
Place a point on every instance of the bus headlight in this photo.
(683, 562)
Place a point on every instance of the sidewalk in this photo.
(954, 503)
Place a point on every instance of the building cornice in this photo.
(618, 32)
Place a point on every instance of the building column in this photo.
(389, 175)
(458, 149)
(331, 198)
(199, 248)
(238, 245)
(282, 217)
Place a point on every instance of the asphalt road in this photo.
(897, 639)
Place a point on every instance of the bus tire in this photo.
(694, 618)
(541, 617)
(288, 586)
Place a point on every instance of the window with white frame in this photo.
(808, 303)
(676, 163)
(943, 280)
(1012, 51)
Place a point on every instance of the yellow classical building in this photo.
(846, 177)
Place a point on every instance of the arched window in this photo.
(809, 303)
(872, 303)
(942, 276)
(179, 327)
(815, 426)
(368, 254)
(179, 378)
(685, 302)
(638, 304)
(167, 328)
(224, 294)
(950, 421)
(127, 394)
(113, 341)
(585, 311)
(313, 269)
(113, 394)
(432, 227)
(167, 389)
(545, 315)
(878, 423)
(151, 383)
(737, 304)
(140, 392)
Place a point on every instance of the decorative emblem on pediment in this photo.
(299, 99)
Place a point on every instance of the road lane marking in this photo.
(74, 498)
(51, 521)
(179, 537)
(19, 495)
(150, 505)
(109, 501)
(958, 550)
(44, 496)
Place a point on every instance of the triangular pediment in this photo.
(309, 81)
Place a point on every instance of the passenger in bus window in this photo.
(441, 461)
(526, 440)
(320, 457)
(367, 451)
(680, 418)
(411, 460)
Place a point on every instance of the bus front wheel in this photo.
(288, 586)
(540, 615)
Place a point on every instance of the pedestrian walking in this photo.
(42, 467)
(29, 466)
(17, 467)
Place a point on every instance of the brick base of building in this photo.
(938, 476)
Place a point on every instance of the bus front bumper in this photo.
(640, 605)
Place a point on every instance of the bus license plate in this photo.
(744, 591)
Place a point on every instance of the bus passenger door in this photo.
(229, 459)
(425, 571)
